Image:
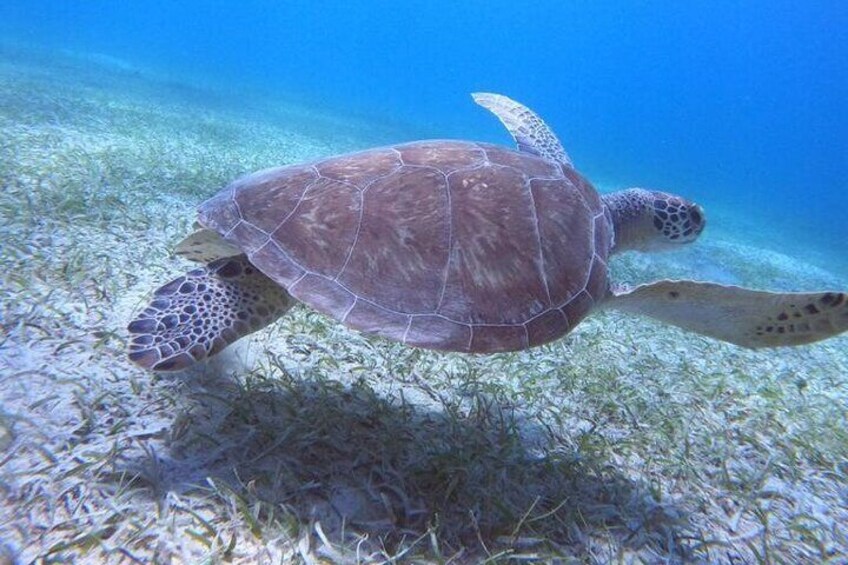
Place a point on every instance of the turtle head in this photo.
(650, 220)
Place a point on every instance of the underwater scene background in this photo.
(739, 106)
(627, 441)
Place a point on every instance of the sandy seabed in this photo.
(626, 441)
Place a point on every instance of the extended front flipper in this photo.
(750, 318)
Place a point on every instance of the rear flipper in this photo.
(749, 318)
(197, 315)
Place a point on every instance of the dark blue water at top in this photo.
(740, 105)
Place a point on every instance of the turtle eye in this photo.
(697, 218)
(696, 215)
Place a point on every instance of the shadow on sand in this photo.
(367, 465)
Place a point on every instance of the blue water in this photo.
(740, 105)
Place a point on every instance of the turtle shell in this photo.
(446, 245)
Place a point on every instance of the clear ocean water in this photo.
(740, 106)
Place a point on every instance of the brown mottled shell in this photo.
(440, 244)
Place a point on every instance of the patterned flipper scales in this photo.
(530, 132)
(196, 315)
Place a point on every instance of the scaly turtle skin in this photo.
(450, 245)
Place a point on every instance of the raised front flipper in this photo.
(197, 315)
(530, 132)
(750, 318)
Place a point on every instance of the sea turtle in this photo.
(450, 245)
